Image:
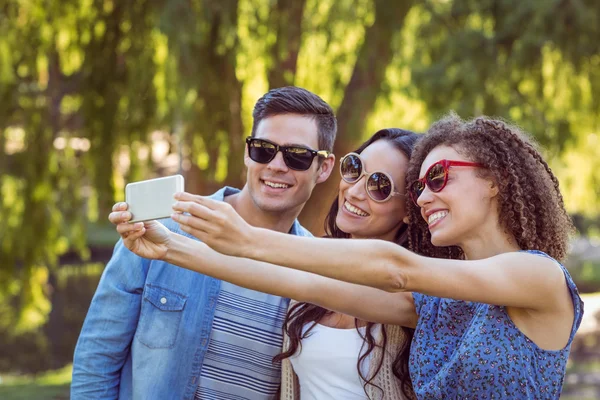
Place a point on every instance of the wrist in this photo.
(250, 248)
(174, 246)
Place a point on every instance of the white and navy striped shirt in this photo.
(246, 334)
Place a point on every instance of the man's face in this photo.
(274, 187)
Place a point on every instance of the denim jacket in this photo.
(147, 328)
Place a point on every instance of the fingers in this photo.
(130, 238)
(120, 206)
(185, 196)
(125, 229)
(132, 232)
(194, 232)
(119, 217)
(119, 214)
(190, 222)
(196, 209)
(202, 200)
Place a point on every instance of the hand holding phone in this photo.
(153, 198)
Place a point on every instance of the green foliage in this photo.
(36, 345)
(533, 62)
(97, 93)
(50, 385)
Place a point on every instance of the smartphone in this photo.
(153, 198)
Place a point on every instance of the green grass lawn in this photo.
(52, 385)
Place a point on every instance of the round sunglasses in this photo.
(378, 185)
(295, 157)
(436, 177)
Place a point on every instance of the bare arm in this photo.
(153, 240)
(362, 302)
(515, 279)
(512, 279)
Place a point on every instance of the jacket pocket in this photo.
(160, 317)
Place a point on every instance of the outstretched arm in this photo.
(153, 240)
(512, 279)
(362, 302)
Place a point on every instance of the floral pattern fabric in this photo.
(466, 350)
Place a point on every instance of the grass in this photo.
(52, 385)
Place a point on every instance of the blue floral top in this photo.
(466, 350)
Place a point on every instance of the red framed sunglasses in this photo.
(436, 177)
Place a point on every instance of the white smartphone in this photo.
(153, 198)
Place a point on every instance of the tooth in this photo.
(354, 210)
(276, 185)
(436, 216)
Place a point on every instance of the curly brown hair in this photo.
(531, 207)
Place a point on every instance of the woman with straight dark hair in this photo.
(306, 320)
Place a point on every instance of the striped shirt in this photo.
(246, 334)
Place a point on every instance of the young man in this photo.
(156, 331)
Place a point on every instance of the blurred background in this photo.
(98, 93)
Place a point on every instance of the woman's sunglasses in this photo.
(436, 177)
(295, 157)
(379, 185)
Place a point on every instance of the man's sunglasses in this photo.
(436, 177)
(378, 185)
(295, 157)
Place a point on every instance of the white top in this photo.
(326, 364)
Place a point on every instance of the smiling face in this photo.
(464, 208)
(274, 187)
(358, 214)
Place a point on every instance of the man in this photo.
(157, 331)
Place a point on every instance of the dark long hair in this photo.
(301, 314)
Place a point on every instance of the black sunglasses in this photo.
(295, 157)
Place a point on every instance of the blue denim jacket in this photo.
(147, 328)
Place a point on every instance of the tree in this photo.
(359, 98)
(534, 62)
(87, 87)
(73, 87)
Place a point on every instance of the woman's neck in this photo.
(488, 244)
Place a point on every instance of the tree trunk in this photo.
(219, 104)
(375, 55)
(103, 75)
(285, 19)
(235, 162)
(53, 329)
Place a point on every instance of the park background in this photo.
(98, 93)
